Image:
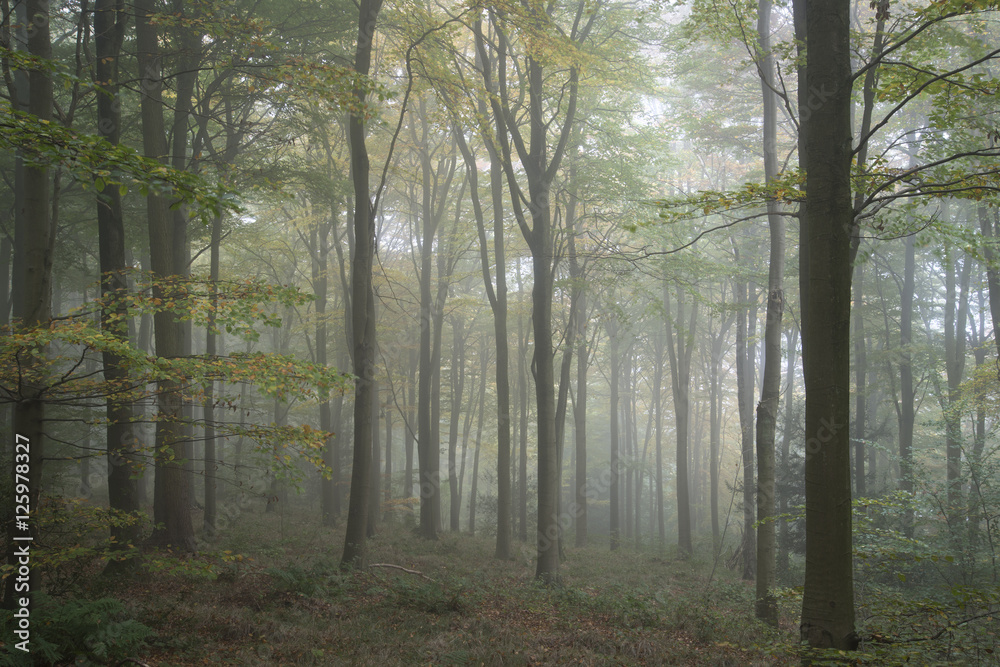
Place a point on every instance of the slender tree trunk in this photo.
(860, 373)
(387, 476)
(562, 400)
(679, 352)
(614, 384)
(473, 494)
(211, 453)
(320, 250)
(661, 532)
(411, 403)
(987, 226)
(907, 393)
(428, 378)
(172, 485)
(745, 320)
(628, 442)
(522, 473)
(474, 405)
(375, 497)
(580, 408)
(457, 389)
(6, 252)
(781, 564)
(122, 486)
(956, 316)
(543, 364)
(362, 302)
(770, 390)
(497, 296)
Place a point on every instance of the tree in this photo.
(770, 390)
(33, 284)
(825, 278)
(362, 300)
(109, 28)
(172, 490)
(497, 297)
(540, 158)
(680, 345)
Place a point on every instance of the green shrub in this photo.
(86, 631)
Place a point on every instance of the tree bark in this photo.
(825, 113)
(746, 322)
(679, 349)
(473, 494)
(860, 374)
(172, 486)
(109, 30)
(907, 393)
(770, 390)
(955, 321)
(457, 389)
(987, 225)
(614, 384)
(32, 289)
(362, 303)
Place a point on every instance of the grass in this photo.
(286, 603)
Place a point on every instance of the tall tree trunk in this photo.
(473, 494)
(614, 385)
(109, 30)
(428, 376)
(320, 250)
(746, 320)
(387, 476)
(411, 404)
(781, 562)
(860, 374)
(987, 226)
(362, 302)
(540, 163)
(33, 291)
(956, 316)
(497, 296)
(457, 389)
(679, 349)
(580, 404)
(211, 453)
(828, 599)
(374, 499)
(661, 530)
(907, 393)
(628, 442)
(172, 485)
(522, 424)
(6, 252)
(770, 390)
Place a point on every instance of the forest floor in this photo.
(277, 598)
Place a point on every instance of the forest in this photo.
(596, 332)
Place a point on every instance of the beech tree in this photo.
(825, 277)
(362, 300)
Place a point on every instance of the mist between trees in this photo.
(699, 283)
